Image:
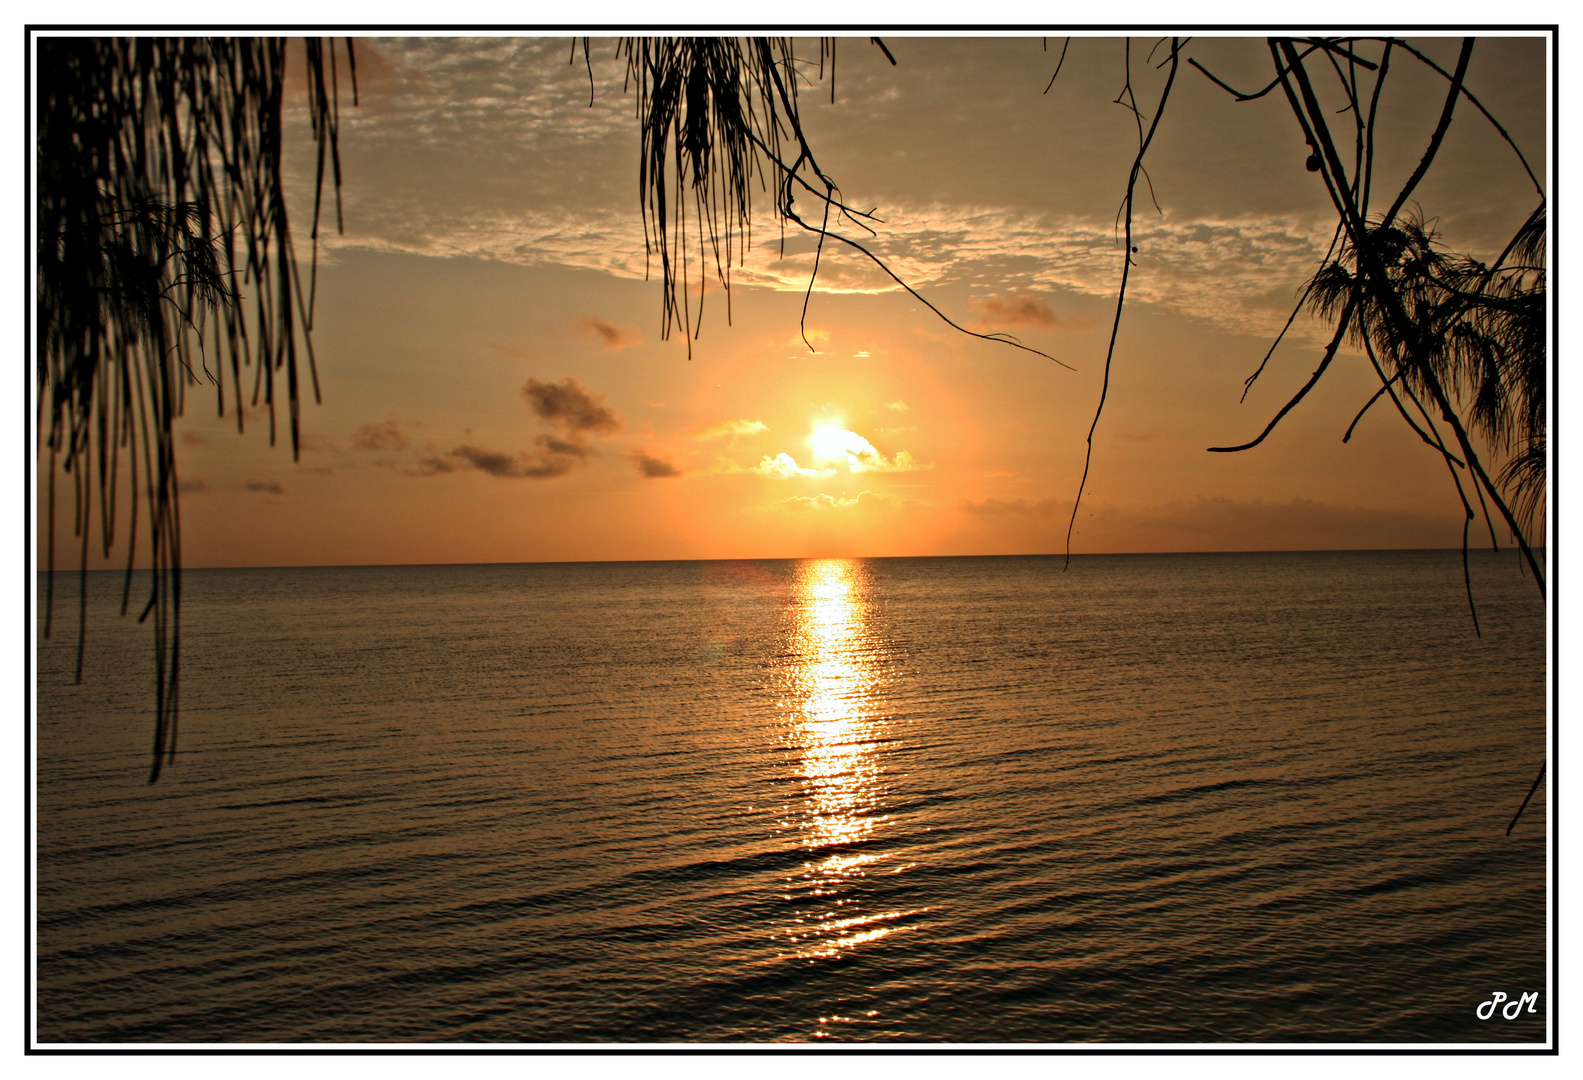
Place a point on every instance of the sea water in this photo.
(1143, 799)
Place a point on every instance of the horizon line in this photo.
(1538, 548)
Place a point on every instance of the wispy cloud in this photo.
(608, 333)
(1012, 311)
(542, 466)
(516, 352)
(266, 487)
(1211, 524)
(865, 500)
(556, 182)
(1234, 272)
(384, 435)
(731, 429)
(1042, 508)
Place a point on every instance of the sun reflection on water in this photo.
(837, 728)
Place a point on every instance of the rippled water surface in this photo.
(1151, 799)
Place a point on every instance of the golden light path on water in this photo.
(838, 728)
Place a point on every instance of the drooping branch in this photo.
(160, 206)
(717, 116)
(1414, 351)
(1324, 363)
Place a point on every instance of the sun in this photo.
(829, 440)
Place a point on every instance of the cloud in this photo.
(1013, 311)
(556, 191)
(613, 336)
(651, 467)
(385, 435)
(496, 463)
(1210, 524)
(1235, 272)
(785, 467)
(839, 444)
(731, 428)
(899, 406)
(192, 438)
(570, 406)
(267, 487)
(513, 351)
(191, 487)
(571, 448)
(1017, 507)
(816, 336)
(865, 500)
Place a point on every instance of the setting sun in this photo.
(830, 440)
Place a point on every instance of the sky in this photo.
(496, 387)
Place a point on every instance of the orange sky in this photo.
(495, 389)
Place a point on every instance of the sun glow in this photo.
(831, 440)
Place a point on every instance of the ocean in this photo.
(1149, 799)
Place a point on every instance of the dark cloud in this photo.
(267, 487)
(558, 447)
(385, 435)
(192, 438)
(611, 335)
(191, 487)
(569, 405)
(651, 467)
(444, 463)
(1014, 311)
(497, 463)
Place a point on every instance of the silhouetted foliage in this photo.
(1440, 329)
(1481, 330)
(719, 115)
(164, 251)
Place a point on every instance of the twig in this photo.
(1126, 267)
(1524, 806)
(1330, 354)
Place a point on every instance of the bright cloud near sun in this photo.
(832, 442)
(785, 467)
